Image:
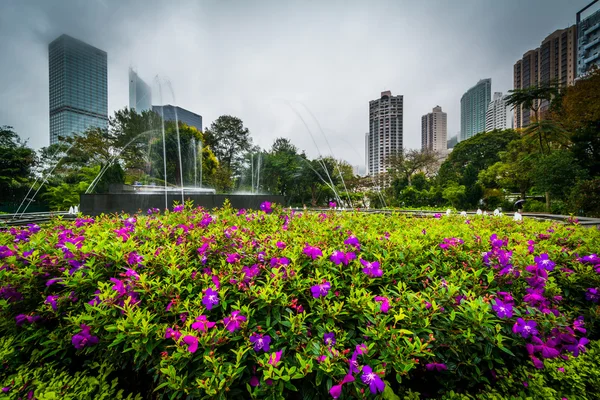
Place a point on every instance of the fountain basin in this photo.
(125, 199)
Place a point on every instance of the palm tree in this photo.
(531, 98)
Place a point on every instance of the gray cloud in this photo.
(253, 59)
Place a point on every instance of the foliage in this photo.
(556, 173)
(408, 162)
(16, 164)
(480, 151)
(130, 293)
(228, 139)
(584, 199)
(51, 381)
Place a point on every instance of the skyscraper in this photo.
(553, 63)
(496, 116)
(385, 131)
(473, 106)
(588, 38)
(434, 130)
(170, 113)
(140, 94)
(78, 87)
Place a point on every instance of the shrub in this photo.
(279, 304)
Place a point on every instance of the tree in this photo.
(557, 173)
(533, 97)
(514, 170)
(130, 133)
(229, 140)
(408, 162)
(16, 164)
(481, 150)
(580, 115)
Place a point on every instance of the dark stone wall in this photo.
(96, 204)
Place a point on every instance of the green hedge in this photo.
(123, 298)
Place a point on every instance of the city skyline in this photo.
(254, 76)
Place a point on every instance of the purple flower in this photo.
(275, 358)
(320, 290)
(178, 208)
(172, 333)
(210, 298)
(495, 242)
(250, 272)
(361, 349)
(543, 261)
(52, 301)
(525, 328)
(332, 204)
(134, 259)
(234, 321)
(6, 389)
(385, 303)
(22, 318)
(84, 338)
(339, 257)
(510, 270)
(233, 258)
(531, 246)
(450, 242)
(312, 252)
(353, 241)
(439, 367)
(591, 259)
(329, 339)
(370, 378)
(578, 324)
(336, 391)
(547, 349)
(592, 295)
(280, 245)
(118, 286)
(266, 207)
(503, 310)
(131, 274)
(202, 324)
(578, 347)
(192, 343)
(260, 342)
(371, 269)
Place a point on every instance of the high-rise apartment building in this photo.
(497, 114)
(434, 130)
(78, 87)
(140, 93)
(588, 38)
(385, 131)
(172, 113)
(553, 63)
(473, 106)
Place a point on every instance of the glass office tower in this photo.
(473, 106)
(78, 87)
(140, 93)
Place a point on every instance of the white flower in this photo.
(518, 217)
(448, 211)
(463, 213)
(479, 212)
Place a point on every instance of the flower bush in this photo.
(273, 303)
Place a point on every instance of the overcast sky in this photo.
(258, 60)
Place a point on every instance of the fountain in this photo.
(157, 192)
